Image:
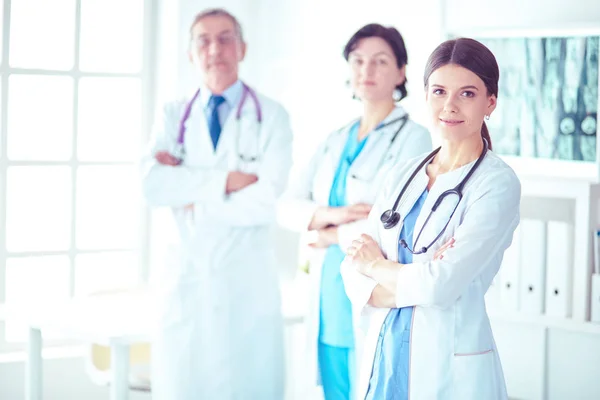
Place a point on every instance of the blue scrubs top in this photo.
(389, 377)
(336, 310)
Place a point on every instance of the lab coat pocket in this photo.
(476, 376)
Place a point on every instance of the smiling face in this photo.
(374, 72)
(458, 101)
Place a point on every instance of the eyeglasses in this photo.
(204, 42)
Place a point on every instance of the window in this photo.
(73, 106)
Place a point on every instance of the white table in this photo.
(116, 320)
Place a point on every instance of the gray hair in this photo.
(218, 12)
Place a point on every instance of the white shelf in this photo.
(544, 321)
(558, 187)
(540, 168)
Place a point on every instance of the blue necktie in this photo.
(214, 125)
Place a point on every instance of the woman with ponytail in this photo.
(435, 240)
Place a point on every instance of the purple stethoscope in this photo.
(179, 151)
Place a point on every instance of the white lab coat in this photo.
(297, 206)
(220, 331)
(453, 353)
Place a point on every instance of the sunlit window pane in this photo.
(33, 282)
(95, 273)
(108, 208)
(109, 119)
(40, 117)
(42, 34)
(111, 35)
(38, 213)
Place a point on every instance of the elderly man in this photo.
(219, 160)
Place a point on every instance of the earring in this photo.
(487, 117)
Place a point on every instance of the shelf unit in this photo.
(544, 321)
(585, 194)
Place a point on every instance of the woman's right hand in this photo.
(439, 254)
(336, 216)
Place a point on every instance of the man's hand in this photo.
(237, 180)
(165, 158)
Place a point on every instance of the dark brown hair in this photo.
(392, 37)
(475, 57)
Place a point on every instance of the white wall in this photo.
(489, 14)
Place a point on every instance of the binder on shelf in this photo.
(595, 292)
(559, 268)
(596, 244)
(533, 266)
(508, 279)
(595, 300)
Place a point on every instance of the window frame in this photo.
(147, 77)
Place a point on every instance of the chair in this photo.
(98, 366)
(98, 360)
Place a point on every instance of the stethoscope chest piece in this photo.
(390, 219)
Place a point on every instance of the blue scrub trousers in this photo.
(336, 336)
(335, 364)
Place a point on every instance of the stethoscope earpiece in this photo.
(390, 219)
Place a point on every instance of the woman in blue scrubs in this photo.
(333, 196)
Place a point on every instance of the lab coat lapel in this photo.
(246, 133)
(235, 134)
(327, 169)
(377, 146)
(336, 147)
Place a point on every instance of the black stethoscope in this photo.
(390, 218)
